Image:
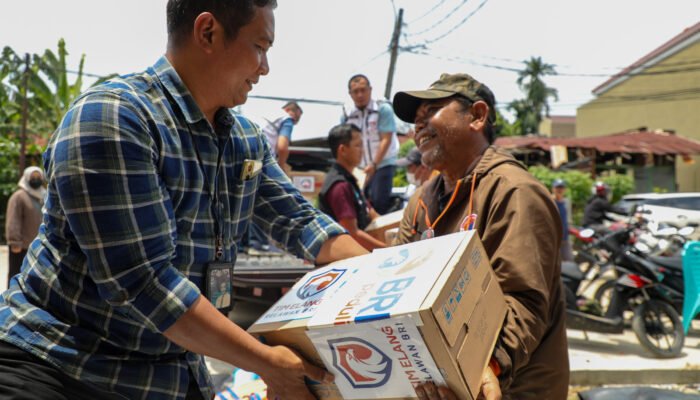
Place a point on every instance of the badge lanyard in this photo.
(216, 206)
(467, 224)
(212, 192)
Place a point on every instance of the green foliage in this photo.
(49, 94)
(620, 185)
(400, 175)
(579, 186)
(505, 128)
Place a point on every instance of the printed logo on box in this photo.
(305, 184)
(318, 283)
(401, 262)
(360, 362)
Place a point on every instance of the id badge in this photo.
(219, 289)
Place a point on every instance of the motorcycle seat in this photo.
(571, 270)
(668, 262)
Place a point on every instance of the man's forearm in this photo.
(204, 330)
(384, 144)
(339, 248)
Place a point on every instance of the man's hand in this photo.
(285, 376)
(428, 391)
(16, 249)
(369, 171)
(490, 388)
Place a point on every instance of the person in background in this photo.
(340, 195)
(416, 172)
(23, 216)
(482, 187)
(594, 214)
(564, 206)
(278, 132)
(375, 119)
(152, 181)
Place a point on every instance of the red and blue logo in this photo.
(318, 283)
(362, 363)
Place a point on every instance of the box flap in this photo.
(396, 282)
(482, 332)
(316, 287)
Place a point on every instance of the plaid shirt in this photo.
(128, 225)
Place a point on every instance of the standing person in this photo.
(564, 206)
(152, 180)
(23, 216)
(340, 195)
(376, 121)
(483, 187)
(279, 133)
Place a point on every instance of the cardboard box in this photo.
(377, 228)
(430, 310)
(309, 183)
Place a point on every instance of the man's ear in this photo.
(206, 31)
(480, 114)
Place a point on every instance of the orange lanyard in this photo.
(431, 225)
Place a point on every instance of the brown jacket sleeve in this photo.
(406, 226)
(13, 221)
(523, 239)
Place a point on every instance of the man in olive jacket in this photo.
(484, 188)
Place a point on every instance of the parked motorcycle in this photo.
(656, 322)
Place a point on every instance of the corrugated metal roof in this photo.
(644, 142)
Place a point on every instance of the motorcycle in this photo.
(656, 323)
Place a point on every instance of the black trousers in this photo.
(26, 377)
(15, 264)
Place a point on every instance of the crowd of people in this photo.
(152, 183)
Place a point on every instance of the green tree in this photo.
(529, 111)
(51, 91)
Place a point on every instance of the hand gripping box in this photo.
(430, 310)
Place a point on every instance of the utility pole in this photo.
(23, 133)
(394, 53)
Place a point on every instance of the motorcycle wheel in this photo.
(604, 293)
(658, 328)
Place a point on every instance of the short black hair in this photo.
(232, 14)
(358, 77)
(489, 130)
(293, 105)
(341, 134)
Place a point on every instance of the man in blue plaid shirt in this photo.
(151, 179)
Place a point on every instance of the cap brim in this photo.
(406, 103)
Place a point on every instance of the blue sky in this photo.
(321, 43)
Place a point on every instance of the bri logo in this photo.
(401, 262)
(318, 283)
(362, 364)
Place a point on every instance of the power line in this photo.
(435, 7)
(443, 19)
(454, 28)
(298, 99)
(663, 71)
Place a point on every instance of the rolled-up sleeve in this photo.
(284, 214)
(105, 164)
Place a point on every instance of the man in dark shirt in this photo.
(594, 212)
(341, 196)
